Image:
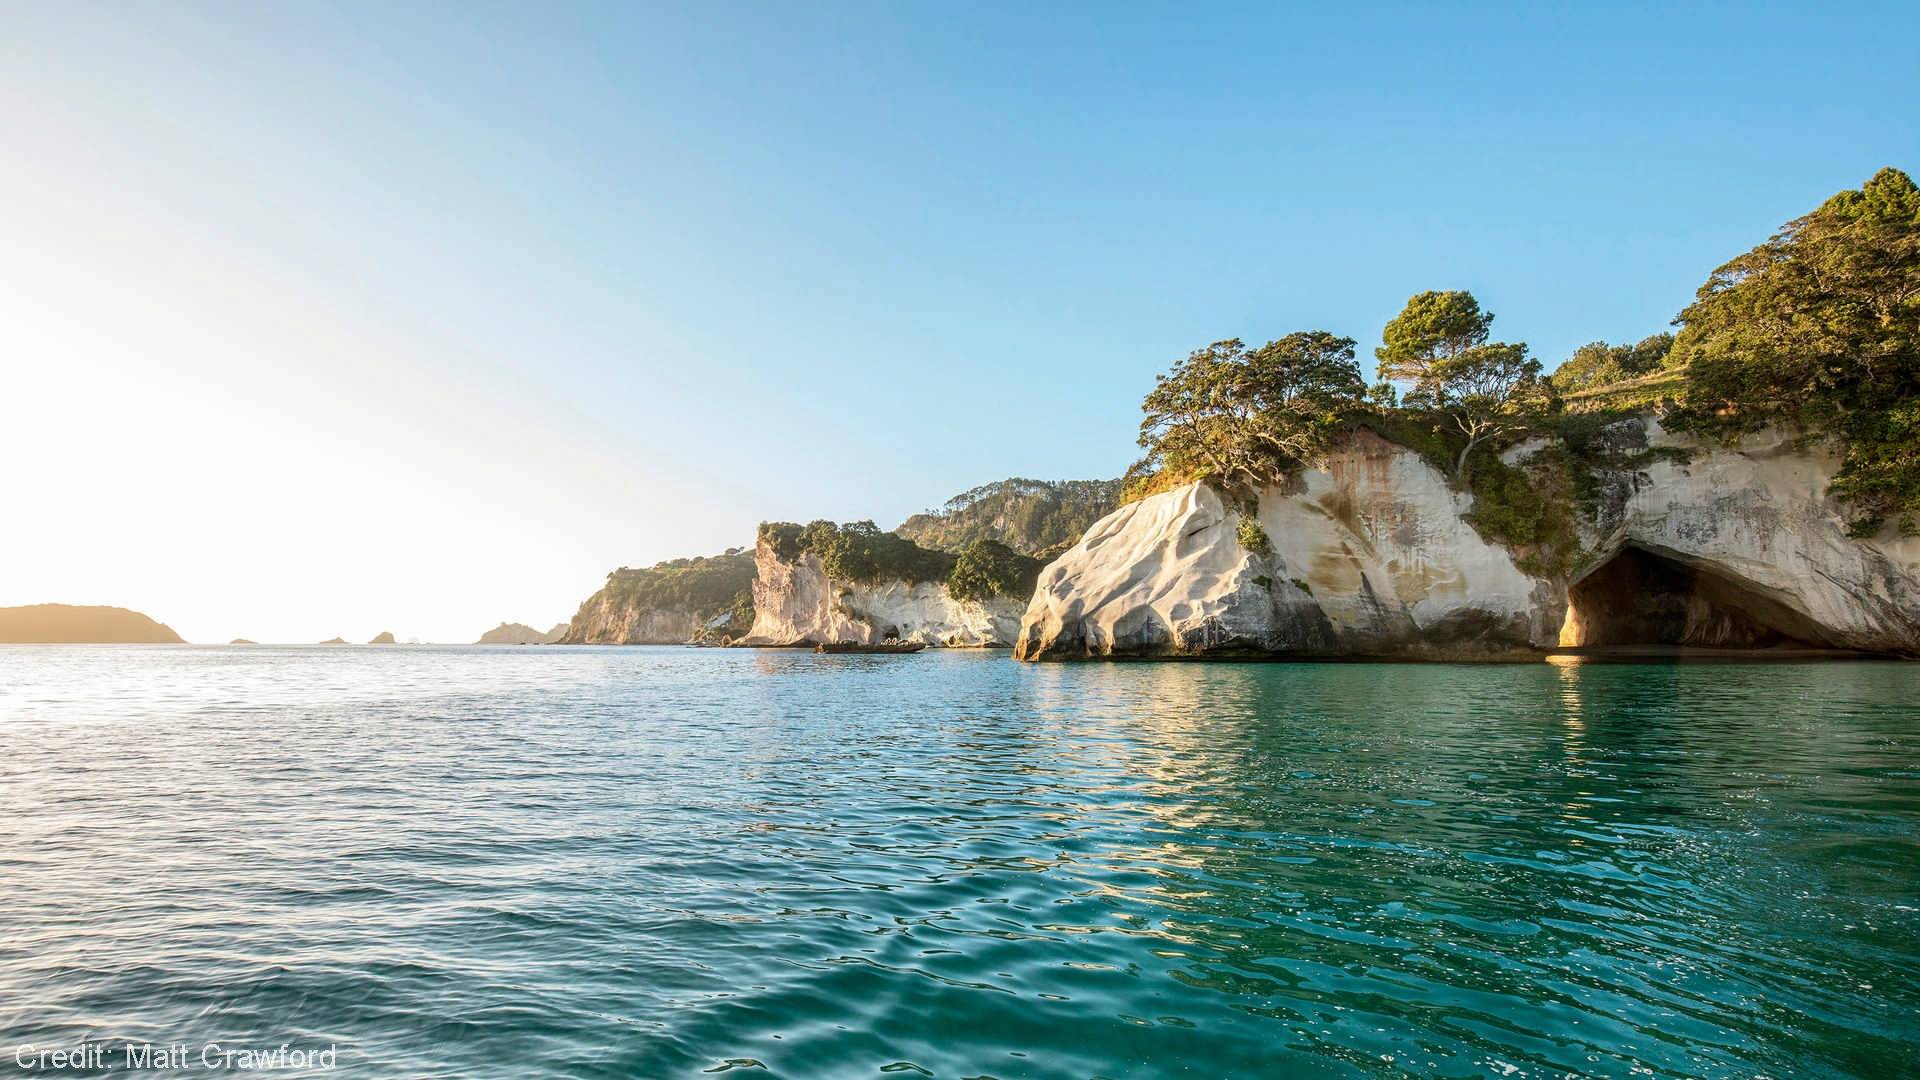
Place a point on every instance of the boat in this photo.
(882, 647)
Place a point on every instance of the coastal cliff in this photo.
(607, 620)
(1374, 553)
(907, 594)
(669, 603)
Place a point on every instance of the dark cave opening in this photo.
(1640, 597)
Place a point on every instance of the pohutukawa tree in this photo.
(1245, 416)
(1487, 390)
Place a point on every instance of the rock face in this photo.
(520, 634)
(1372, 556)
(1739, 546)
(64, 624)
(797, 603)
(604, 620)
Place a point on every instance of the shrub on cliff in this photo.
(1819, 327)
(988, 568)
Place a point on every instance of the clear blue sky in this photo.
(593, 285)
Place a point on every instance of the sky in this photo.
(332, 319)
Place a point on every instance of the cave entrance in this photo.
(1645, 598)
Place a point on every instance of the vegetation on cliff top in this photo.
(1244, 416)
(1819, 329)
(1033, 517)
(989, 568)
(1597, 365)
(858, 553)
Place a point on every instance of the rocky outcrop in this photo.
(795, 602)
(1372, 554)
(606, 620)
(520, 634)
(69, 624)
(384, 637)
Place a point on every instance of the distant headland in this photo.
(77, 624)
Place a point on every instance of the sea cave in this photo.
(1644, 598)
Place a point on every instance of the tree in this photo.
(1304, 372)
(989, 568)
(1489, 391)
(1598, 364)
(1649, 355)
(1247, 417)
(1819, 327)
(1486, 390)
(1432, 328)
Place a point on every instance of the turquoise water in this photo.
(554, 862)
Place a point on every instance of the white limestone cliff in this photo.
(1758, 526)
(1372, 555)
(797, 602)
(607, 620)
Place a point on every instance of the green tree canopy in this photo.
(1248, 416)
(989, 568)
(1598, 364)
(1819, 327)
(1434, 327)
(1485, 389)
(856, 552)
(1033, 517)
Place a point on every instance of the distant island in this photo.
(73, 624)
(520, 634)
(384, 637)
(242, 641)
(334, 641)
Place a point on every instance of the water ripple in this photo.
(658, 862)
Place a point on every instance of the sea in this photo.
(419, 861)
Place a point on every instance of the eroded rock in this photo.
(1373, 555)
